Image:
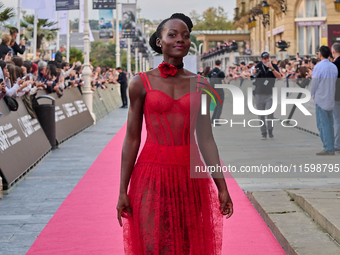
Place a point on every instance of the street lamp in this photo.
(265, 8)
(87, 92)
(337, 5)
(253, 22)
(249, 23)
(265, 11)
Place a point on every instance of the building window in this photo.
(310, 14)
(311, 9)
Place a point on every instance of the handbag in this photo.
(28, 102)
(11, 103)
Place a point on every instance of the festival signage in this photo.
(104, 4)
(22, 142)
(105, 24)
(64, 5)
(128, 20)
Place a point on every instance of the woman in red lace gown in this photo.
(166, 211)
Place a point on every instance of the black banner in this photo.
(104, 4)
(64, 5)
(22, 142)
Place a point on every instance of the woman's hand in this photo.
(123, 207)
(226, 203)
(8, 56)
(20, 81)
(3, 87)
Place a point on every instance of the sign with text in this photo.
(105, 24)
(128, 20)
(64, 5)
(22, 142)
(104, 4)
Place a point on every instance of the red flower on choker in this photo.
(167, 69)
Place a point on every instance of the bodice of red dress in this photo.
(170, 125)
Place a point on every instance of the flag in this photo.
(81, 16)
(63, 22)
(91, 35)
(33, 4)
(49, 13)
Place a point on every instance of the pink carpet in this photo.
(86, 222)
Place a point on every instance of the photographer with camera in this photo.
(264, 81)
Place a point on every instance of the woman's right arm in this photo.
(13, 90)
(131, 142)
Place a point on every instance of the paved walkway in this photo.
(291, 147)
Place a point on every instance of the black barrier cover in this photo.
(71, 113)
(22, 142)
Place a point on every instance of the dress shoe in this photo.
(324, 153)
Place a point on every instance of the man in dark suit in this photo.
(122, 79)
(17, 48)
(336, 110)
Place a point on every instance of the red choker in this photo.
(168, 69)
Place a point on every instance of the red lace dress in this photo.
(172, 213)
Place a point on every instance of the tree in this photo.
(105, 54)
(76, 55)
(211, 19)
(6, 13)
(44, 28)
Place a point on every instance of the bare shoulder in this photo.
(202, 80)
(189, 74)
(153, 72)
(136, 87)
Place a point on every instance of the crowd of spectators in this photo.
(295, 69)
(20, 78)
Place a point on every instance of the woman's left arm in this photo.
(208, 148)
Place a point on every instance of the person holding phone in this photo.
(2, 88)
(17, 48)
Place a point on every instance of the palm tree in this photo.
(44, 28)
(6, 13)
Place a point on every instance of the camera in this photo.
(255, 75)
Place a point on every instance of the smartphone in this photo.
(297, 54)
(1, 80)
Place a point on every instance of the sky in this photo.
(158, 9)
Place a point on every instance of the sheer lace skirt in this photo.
(172, 213)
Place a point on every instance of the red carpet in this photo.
(86, 222)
